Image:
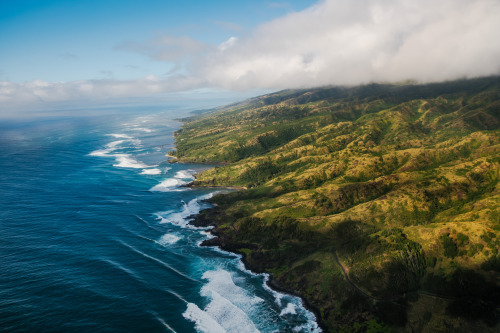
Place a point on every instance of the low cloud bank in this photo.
(39, 94)
(353, 42)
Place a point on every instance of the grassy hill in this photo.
(379, 204)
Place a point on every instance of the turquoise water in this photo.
(94, 236)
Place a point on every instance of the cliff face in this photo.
(379, 204)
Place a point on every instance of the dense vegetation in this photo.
(378, 204)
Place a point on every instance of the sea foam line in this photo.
(164, 264)
(124, 269)
(147, 224)
(164, 323)
(123, 160)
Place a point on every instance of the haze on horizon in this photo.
(67, 53)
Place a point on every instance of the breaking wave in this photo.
(169, 185)
(168, 239)
(154, 171)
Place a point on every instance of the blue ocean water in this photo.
(94, 236)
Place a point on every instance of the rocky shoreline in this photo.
(203, 220)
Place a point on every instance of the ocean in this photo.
(94, 235)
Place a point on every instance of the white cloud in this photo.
(227, 44)
(351, 42)
(40, 94)
(333, 42)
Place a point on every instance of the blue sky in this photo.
(62, 53)
(60, 40)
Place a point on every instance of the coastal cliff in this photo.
(378, 204)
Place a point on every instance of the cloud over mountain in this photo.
(351, 42)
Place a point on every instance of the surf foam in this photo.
(290, 309)
(228, 308)
(168, 185)
(127, 161)
(168, 239)
(180, 218)
(154, 171)
(185, 174)
(122, 160)
(203, 321)
(120, 136)
(143, 129)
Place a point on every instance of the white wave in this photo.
(204, 322)
(229, 316)
(207, 234)
(311, 325)
(110, 147)
(120, 136)
(136, 143)
(208, 196)
(123, 160)
(185, 174)
(143, 129)
(221, 282)
(168, 185)
(168, 239)
(100, 152)
(290, 309)
(158, 261)
(123, 269)
(228, 308)
(127, 161)
(113, 144)
(154, 171)
(164, 323)
(180, 218)
(124, 138)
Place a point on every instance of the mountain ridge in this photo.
(392, 188)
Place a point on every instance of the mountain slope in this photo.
(376, 203)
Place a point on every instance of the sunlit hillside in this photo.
(379, 204)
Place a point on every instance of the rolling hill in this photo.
(378, 204)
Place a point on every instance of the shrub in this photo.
(450, 248)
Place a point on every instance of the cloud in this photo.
(339, 42)
(352, 42)
(227, 44)
(40, 94)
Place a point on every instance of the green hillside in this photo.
(379, 204)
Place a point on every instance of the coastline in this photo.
(356, 198)
(199, 220)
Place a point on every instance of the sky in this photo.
(64, 53)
